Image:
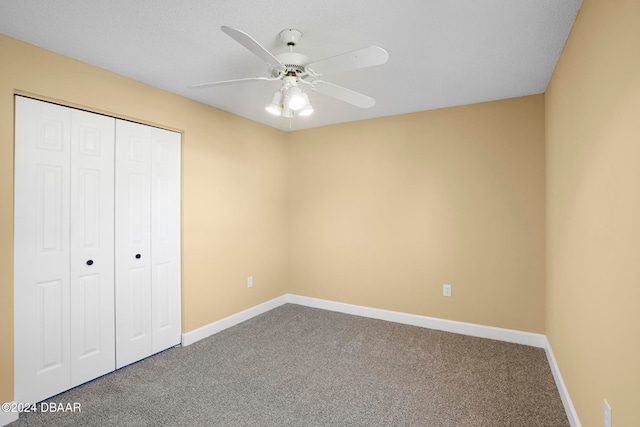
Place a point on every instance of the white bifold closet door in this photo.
(64, 254)
(147, 241)
(97, 246)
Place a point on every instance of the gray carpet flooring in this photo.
(299, 366)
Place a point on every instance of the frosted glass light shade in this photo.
(296, 101)
(275, 107)
(307, 108)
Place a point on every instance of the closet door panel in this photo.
(165, 238)
(92, 246)
(133, 242)
(41, 250)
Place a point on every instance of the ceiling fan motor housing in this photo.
(294, 62)
(290, 37)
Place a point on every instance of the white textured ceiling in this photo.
(441, 52)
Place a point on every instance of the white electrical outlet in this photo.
(607, 413)
(446, 290)
(250, 282)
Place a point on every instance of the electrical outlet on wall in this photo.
(250, 282)
(446, 290)
(607, 413)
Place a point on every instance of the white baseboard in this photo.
(7, 417)
(562, 389)
(501, 334)
(222, 324)
(481, 331)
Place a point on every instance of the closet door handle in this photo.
(138, 256)
(90, 262)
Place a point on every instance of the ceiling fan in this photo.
(296, 70)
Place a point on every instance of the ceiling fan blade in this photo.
(361, 58)
(256, 48)
(229, 82)
(343, 94)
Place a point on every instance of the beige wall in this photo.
(593, 211)
(383, 212)
(233, 199)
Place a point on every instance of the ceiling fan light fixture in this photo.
(296, 102)
(275, 107)
(307, 108)
(286, 110)
(295, 98)
(293, 68)
(305, 111)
